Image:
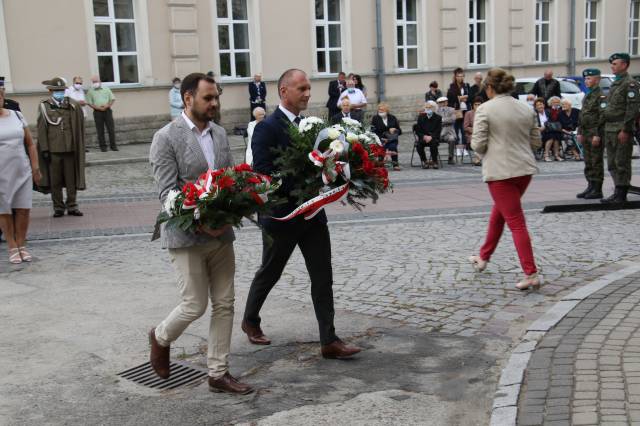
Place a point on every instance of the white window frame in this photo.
(325, 22)
(229, 21)
(539, 25)
(111, 21)
(401, 44)
(473, 22)
(634, 6)
(588, 38)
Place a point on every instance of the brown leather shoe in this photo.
(338, 350)
(229, 384)
(255, 334)
(159, 356)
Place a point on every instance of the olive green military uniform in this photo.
(620, 110)
(61, 150)
(592, 124)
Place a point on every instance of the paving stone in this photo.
(584, 419)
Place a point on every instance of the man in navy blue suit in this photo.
(257, 95)
(312, 236)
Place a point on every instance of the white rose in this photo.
(352, 137)
(336, 146)
(333, 133)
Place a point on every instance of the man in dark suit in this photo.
(546, 87)
(336, 87)
(428, 129)
(257, 95)
(344, 113)
(281, 238)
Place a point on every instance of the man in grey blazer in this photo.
(204, 261)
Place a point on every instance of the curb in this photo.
(505, 403)
(125, 160)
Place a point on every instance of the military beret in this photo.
(623, 56)
(589, 72)
(56, 83)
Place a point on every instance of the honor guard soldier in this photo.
(61, 147)
(620, 110)
(590, 130)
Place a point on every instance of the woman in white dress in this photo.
(18, 171)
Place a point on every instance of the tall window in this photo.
(542, 30)
(328, 36)
(233, 38)
(477, 32)
(407, 34)
(115, 26)
(634, 24)
(590, 28)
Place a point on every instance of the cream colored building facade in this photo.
(140, 45)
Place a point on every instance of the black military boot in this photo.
(596, 191)
(619, 196)
(586, 191)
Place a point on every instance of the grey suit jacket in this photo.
(176, 157)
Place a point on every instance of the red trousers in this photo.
(506, 196)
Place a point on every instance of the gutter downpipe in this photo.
(379, 53)
(572, 39)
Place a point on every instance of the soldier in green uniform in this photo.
(590, 129)
(620, 110)
(61, 147)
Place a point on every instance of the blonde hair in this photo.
(384, 106)
(500, 80)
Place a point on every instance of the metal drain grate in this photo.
(181, 375)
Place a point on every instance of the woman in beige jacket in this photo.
(504, 132)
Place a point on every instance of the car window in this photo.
(605, 82)
(568, 87)
(523, 88)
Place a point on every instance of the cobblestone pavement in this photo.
(586, 371)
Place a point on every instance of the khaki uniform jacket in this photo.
(591, 121)
(51, 139)
(622, 105)
(504, 132)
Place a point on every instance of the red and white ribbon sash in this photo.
(312, 207)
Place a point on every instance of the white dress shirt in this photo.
(205, 139)
(77, 95)
(356, 97)
(291, 116)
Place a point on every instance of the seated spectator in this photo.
(569, 120)
(433, 94)
(428, 129)
(468, 126)
(345, 112)
(553, 130)
(542, 115)
(448, 134)
(356, 98)
(258, 114)
(387, 127)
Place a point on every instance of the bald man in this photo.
(281, 238)
(547, 87)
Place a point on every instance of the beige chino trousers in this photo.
(204, 272)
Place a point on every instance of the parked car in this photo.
(568, 89)
(605, 82)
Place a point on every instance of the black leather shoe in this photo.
(75, 212)
(114, 148)
(103, 149)
(586, 191)
(58, 213)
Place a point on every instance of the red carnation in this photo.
(256, 198)
(225, 182)
(368, 167)
(254, 180)
(378, 151)
(244, 167)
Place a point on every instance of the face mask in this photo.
(96, 85)
(530, 103)
(382, 114)
(78, 86)
(177, 85)
(58, 96)
(556, 107)
(428, 112)
(351, 90)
